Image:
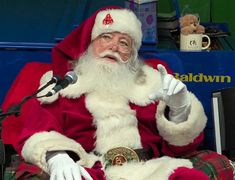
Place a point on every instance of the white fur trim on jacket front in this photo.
(155, 169)
(36, 147)
(185, 132)
(114, 122)
(139, 93)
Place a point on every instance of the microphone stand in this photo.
(15, 109)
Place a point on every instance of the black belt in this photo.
(144, 153)
(121, 155)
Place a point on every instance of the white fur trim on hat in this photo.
(119, 20)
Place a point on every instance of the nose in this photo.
(114, 46)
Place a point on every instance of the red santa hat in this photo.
(108, 19)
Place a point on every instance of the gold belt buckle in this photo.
(120, 155)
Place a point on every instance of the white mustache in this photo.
(112, 54)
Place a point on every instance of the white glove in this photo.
(62, 167)
(174, 93)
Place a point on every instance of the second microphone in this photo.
(69, 78)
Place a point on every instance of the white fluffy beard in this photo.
(109, 78)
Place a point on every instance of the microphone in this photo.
(69, 78)
(54, 79)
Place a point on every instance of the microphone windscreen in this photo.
(71, 76)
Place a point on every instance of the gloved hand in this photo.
(174, 93)
(62, 167)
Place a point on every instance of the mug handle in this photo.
(209, 41)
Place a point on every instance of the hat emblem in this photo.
(108, 20)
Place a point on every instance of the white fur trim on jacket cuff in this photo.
(36, 147)
(185, 132)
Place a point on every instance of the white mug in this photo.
(193, 42)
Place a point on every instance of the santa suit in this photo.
(83, 122)
(89, 122)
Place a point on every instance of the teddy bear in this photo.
(190, 24)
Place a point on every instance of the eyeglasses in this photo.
(122, 41)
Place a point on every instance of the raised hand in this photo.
(174, 93)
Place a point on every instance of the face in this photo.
(113, 47)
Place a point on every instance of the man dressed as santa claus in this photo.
(122, 119)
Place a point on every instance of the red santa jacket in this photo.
(67, 123)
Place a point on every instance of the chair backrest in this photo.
(25, 84)
(223, 103)
(2, 159)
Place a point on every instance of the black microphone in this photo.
(54, 79)
(69, 78)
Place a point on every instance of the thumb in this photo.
(162, 69)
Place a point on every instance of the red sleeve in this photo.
(178, 151)
(166, 148)
(39, 118)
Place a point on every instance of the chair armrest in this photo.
(2, 159)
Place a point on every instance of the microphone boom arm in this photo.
(15, 109)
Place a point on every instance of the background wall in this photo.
(37, 26)
(217, 11)
(223, 11)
